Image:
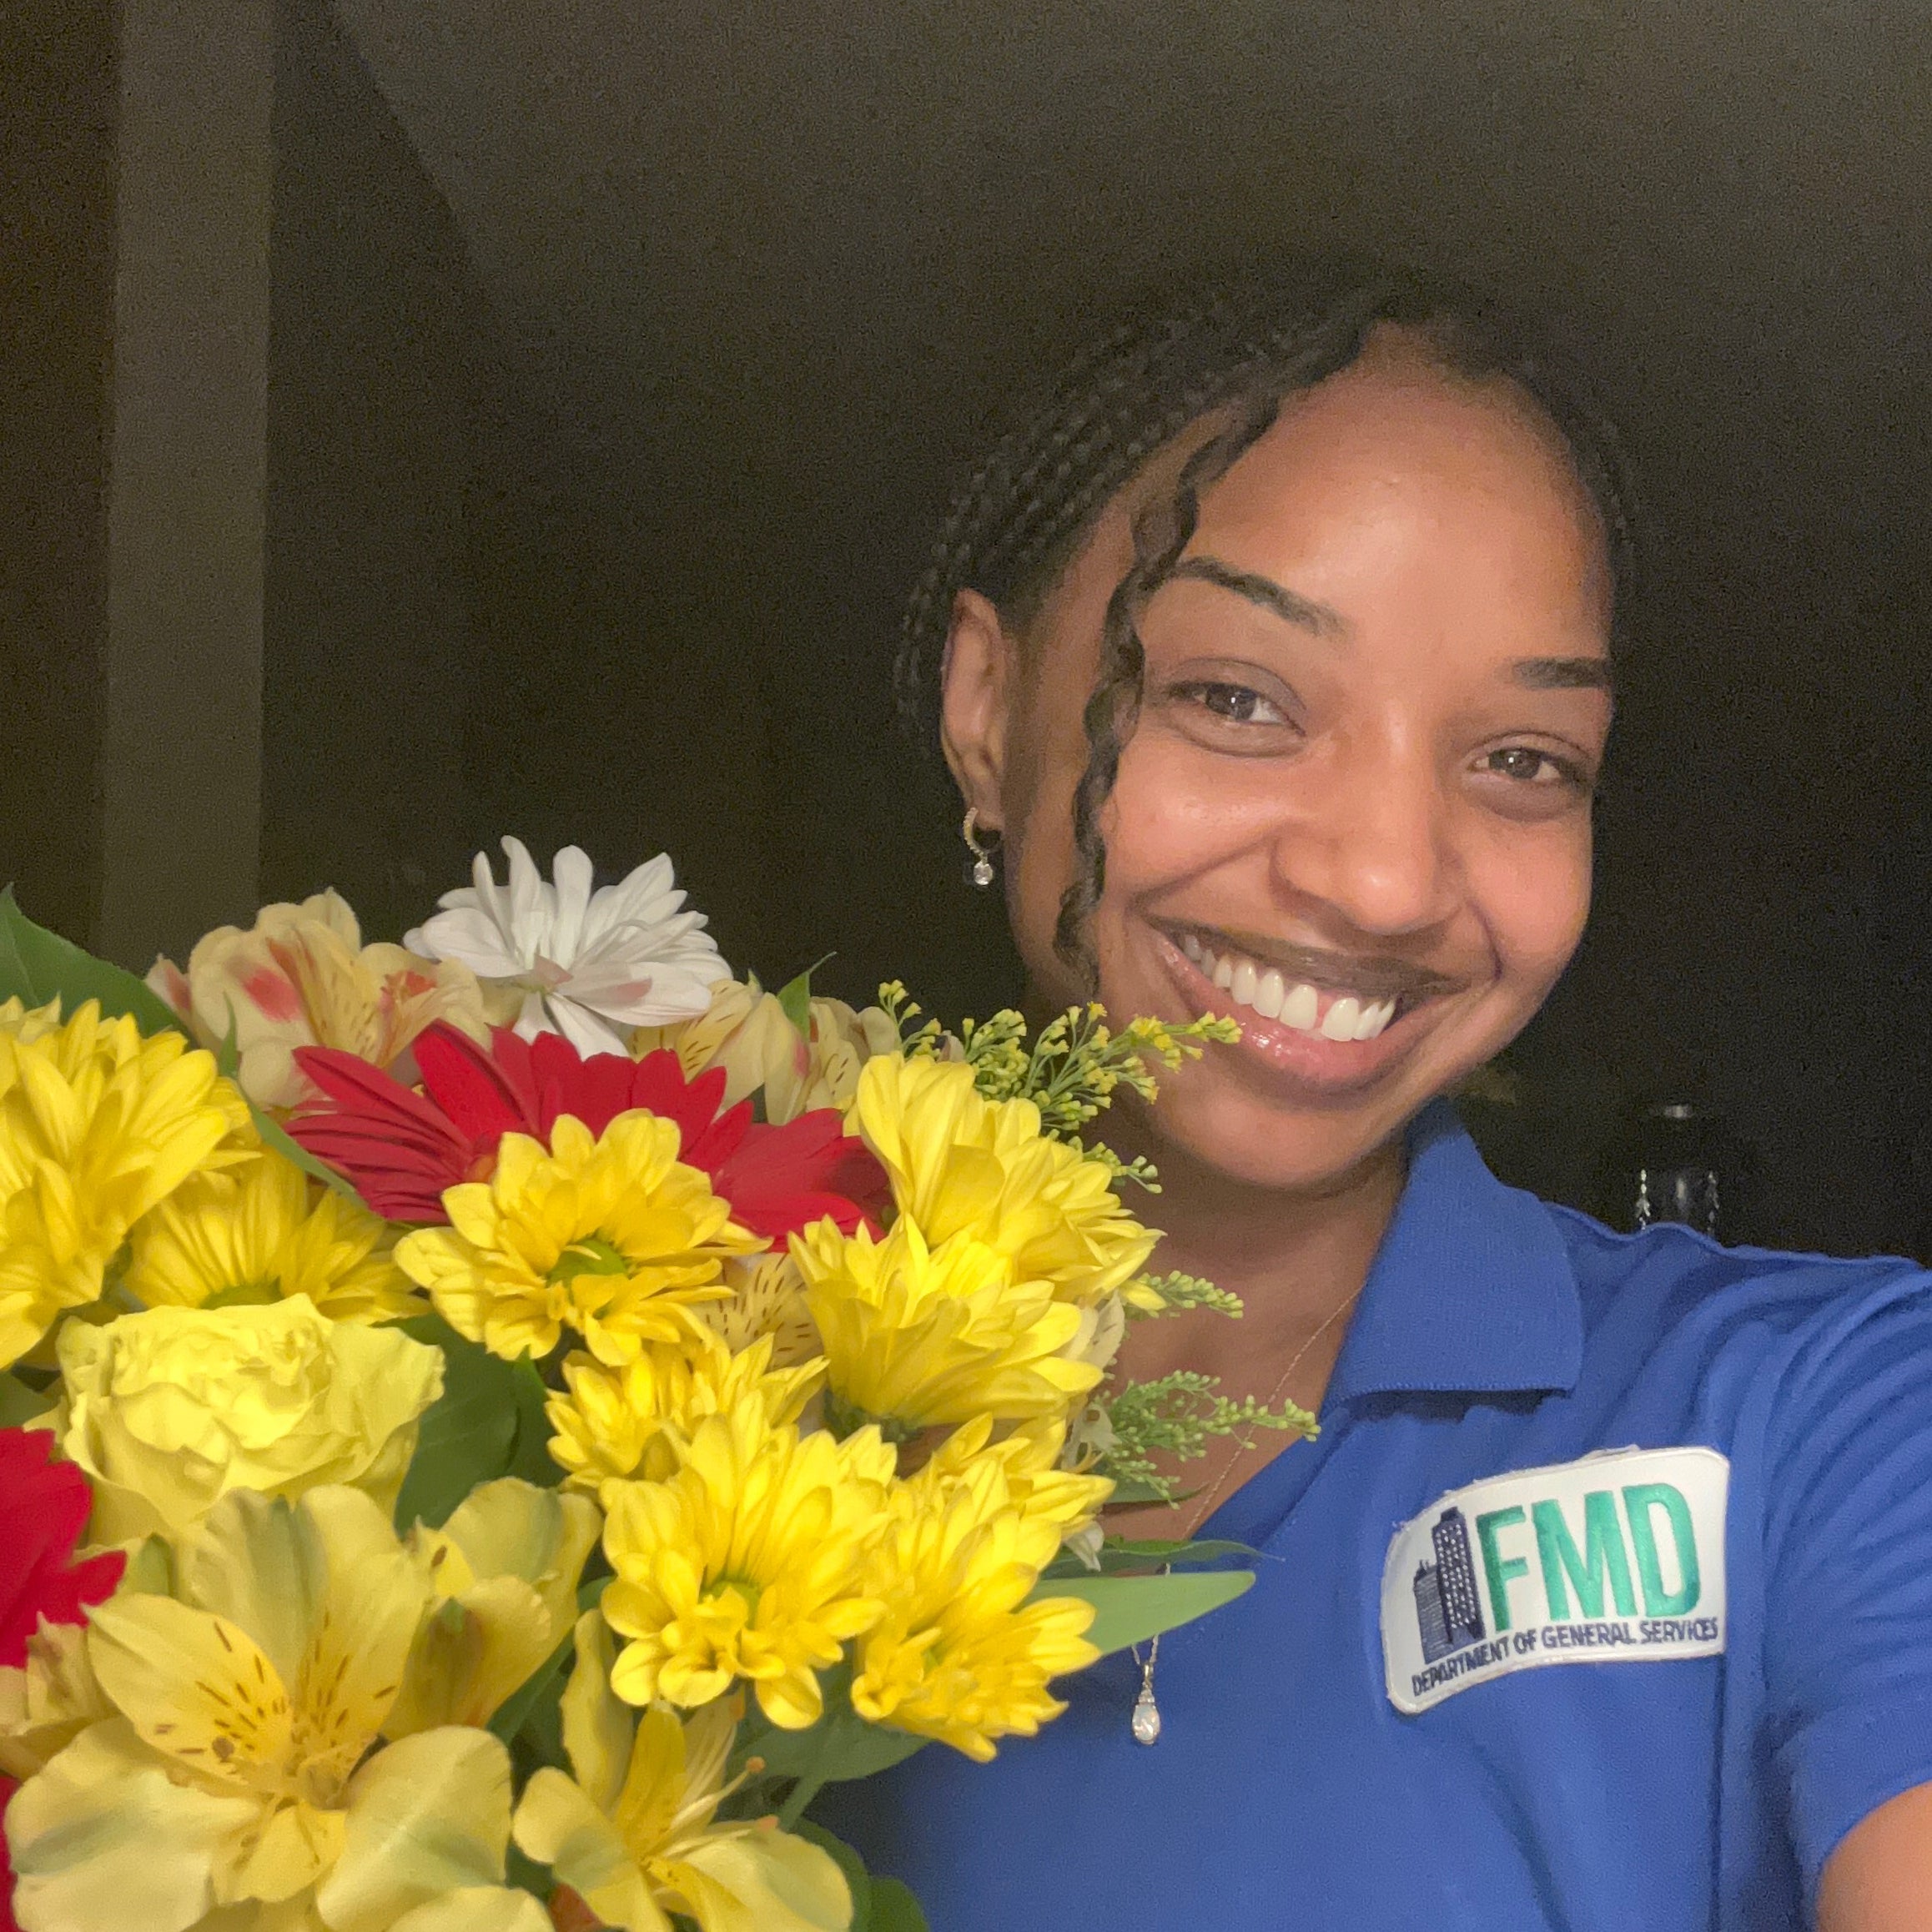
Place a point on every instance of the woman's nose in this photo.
(1372, 843)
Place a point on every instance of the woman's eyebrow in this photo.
(1561, 674)
(1323, 619)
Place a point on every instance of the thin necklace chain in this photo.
(1146, 1723)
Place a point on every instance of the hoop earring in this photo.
(981, 873)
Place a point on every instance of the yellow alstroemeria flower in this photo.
(98, 1127)
(261, 1231)
(916, 1335)
(635, 1421)
(610, 1235)
(634, 1833)
(748, 1032)
(503, 1576)
(241, 1770)
(45, 1703)
(748, 1565)
(300, 976)
(766, 1298)
(960, 1654)
(961, 1165)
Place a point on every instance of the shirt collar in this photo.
(1471, 1289)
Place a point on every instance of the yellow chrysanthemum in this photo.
(961, 1165)
(749, 1564)
(241, 1769)
(633, 1421)
(635, 1832)
(611, 1236)
(961, 1654)
(260, 1232)
(916, 1335)
(98, 1127)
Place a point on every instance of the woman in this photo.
(1278, 651)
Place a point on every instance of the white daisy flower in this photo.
(591, 965)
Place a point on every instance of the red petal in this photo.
(470, 1086)
(44, 1509)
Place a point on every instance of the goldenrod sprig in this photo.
(1176, 1293)
(1178, 1415)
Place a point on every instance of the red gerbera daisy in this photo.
(403, 1148)
(44, 1506)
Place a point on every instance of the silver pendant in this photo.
(1146, 1723)
(983, 871)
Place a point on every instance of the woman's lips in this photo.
(1325, 1037)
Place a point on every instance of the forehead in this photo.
(1397, 474)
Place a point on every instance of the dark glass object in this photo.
(1682, 1154)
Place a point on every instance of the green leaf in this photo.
(841, 1746)
(19, 1404)
(795, 996)
(1138, 1559)
(515, 1708)
(37, 965)
(894, 1909)
(530, 1455)
(469, 1435)
(1129, 1610)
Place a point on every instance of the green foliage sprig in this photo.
(1178, 1415)
(1070, 1070)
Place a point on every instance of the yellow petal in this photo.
(772, 1881)
(260, 1563)
(471, 1653)
(512, 1528)
(105, 1824)
(194, 1686)
(597, 1722)
(297, 1845)
(426, 1816)
(477, 1909)
(558, 1826)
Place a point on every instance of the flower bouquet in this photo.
(492, 1425)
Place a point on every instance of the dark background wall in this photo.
(57, 202)
(623, 356)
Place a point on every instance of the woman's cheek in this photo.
(1534, 897)
(1178, 811)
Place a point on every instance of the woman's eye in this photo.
(1235, 703)
(1523, 766)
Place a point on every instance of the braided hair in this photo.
(1235, 355)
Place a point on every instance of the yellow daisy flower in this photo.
(960, 1654)
(261, 1232)
(635, 1832)
(633, 1421)
(961, 1165)
(98, 1127)
(242, 1768)
(748, 1565)
(610, 1235)
(916, 1335)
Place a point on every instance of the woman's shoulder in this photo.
(1686, 1291)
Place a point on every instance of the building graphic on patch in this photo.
(1448, 1610)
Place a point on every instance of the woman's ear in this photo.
(976, 682)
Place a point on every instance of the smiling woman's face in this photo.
(1354, 811)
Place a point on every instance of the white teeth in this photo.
(1374, 1019)
(1249, 984)
(1298, 1009)
(1341, 1022)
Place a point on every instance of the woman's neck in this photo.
(1295, 1260)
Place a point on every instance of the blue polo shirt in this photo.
(1504, 1664)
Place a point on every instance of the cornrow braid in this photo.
(1238, 352)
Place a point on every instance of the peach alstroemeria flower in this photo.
(300, 976)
